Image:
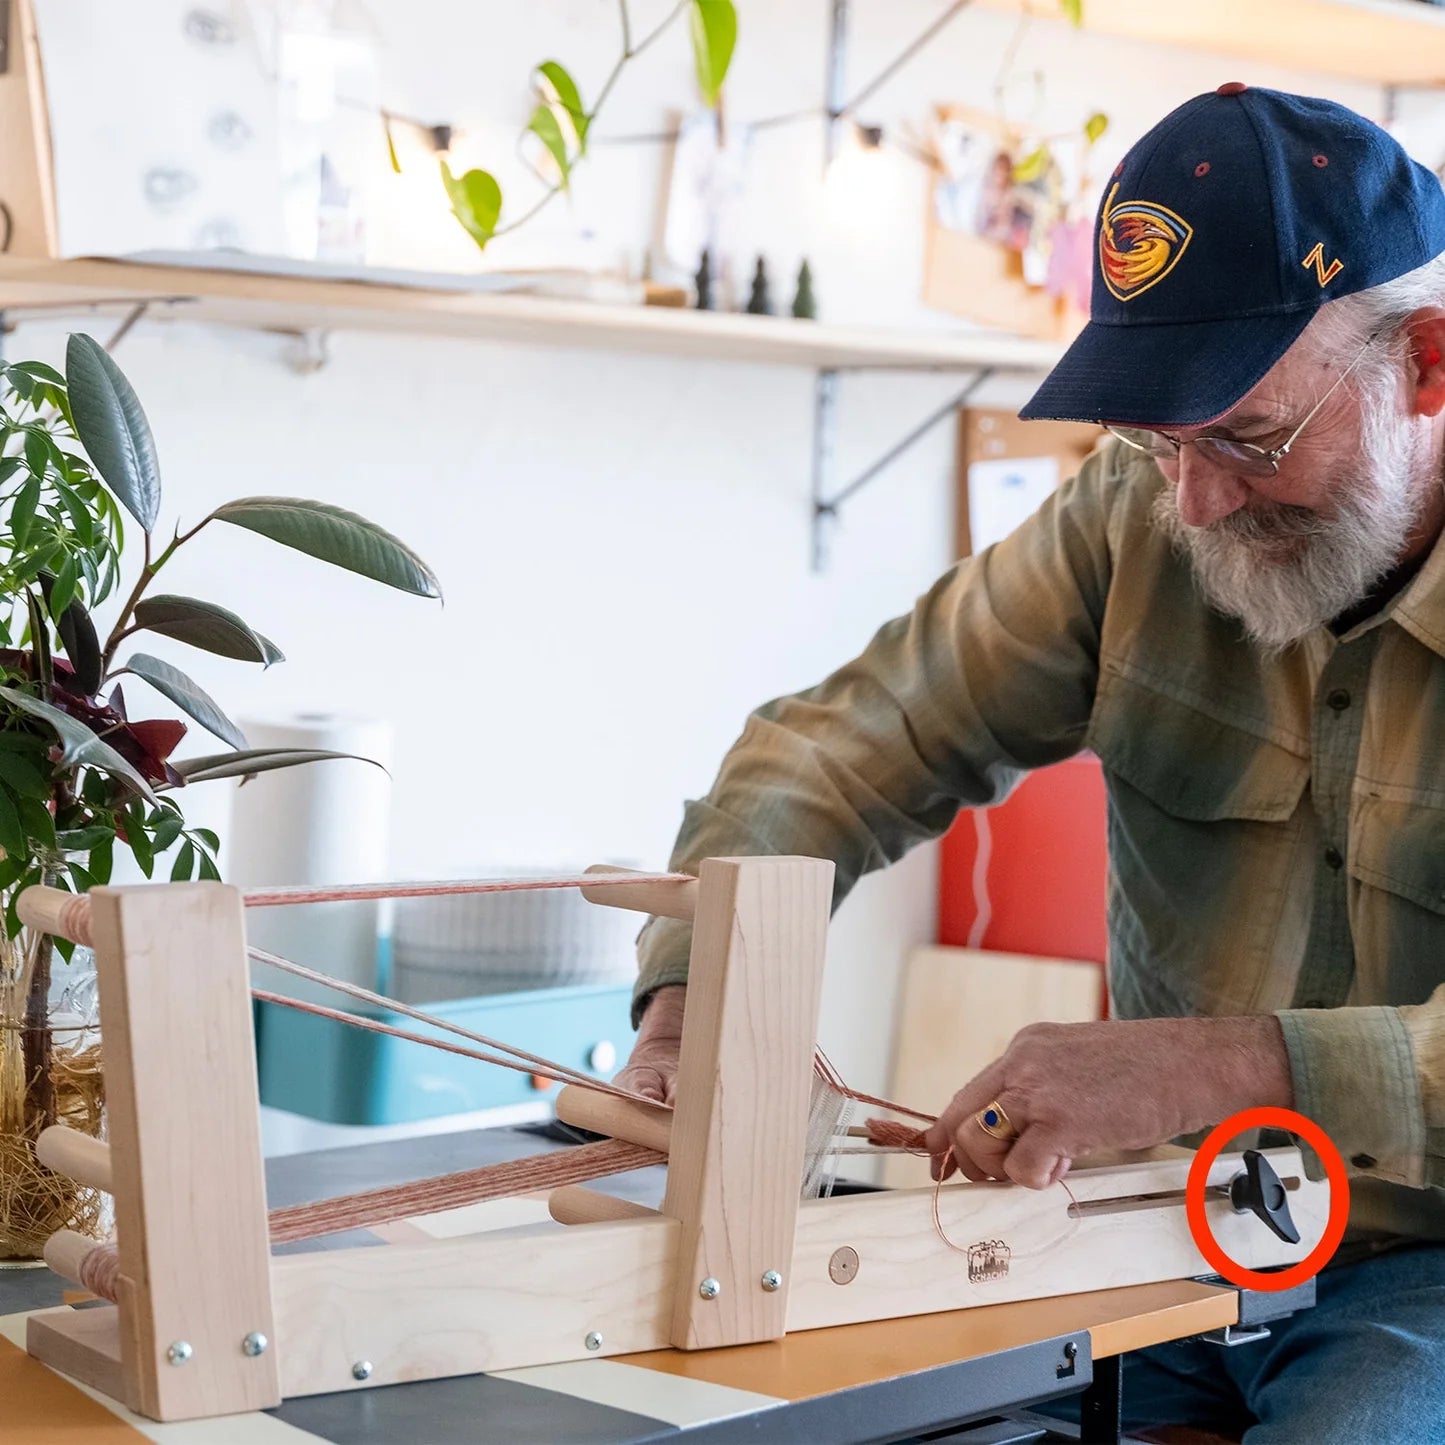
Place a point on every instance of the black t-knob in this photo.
(1259, 1190)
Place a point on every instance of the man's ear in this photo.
(1426, 330)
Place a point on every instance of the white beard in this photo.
(1285, 570)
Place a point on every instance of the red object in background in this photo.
(1047, 867)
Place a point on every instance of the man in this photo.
(1239, 606)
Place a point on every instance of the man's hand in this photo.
(652, 1068)
(1075, 1089)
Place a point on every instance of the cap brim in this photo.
(1166, 373)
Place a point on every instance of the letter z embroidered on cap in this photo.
(1140, 243)
(1316, 258)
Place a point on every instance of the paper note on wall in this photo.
(1003, 493)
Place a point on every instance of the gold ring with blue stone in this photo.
(993, 1121)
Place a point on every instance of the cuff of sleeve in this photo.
(663, 949)
(1354, 1075)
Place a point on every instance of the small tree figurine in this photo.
(703, 282)
(759, 303)
(78, 774)
(805, 304)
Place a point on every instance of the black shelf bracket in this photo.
(827, 502)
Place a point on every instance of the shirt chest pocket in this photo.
(1209, 898)
(1397, 899)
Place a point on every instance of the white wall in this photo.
(623, 541)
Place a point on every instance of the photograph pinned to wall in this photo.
(1006, 492)
(703, 205)
(163, 127)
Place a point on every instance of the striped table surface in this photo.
(921, 1373)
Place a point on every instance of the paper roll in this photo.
(323, 822)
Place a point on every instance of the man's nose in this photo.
(1206, 492)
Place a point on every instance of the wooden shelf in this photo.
(1389, 42)
(289, 303)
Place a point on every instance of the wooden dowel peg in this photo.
(76, 1155)
(575, 1204)
(662, 900)
(65, 1251)
(54, 911)
(639, 1123)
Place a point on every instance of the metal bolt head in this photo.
(361, 1370)
(179, 1352)
(772, 1280)
(593, 1340)
(709, 1288)
(254, 1344)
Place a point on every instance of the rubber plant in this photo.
(80, 772)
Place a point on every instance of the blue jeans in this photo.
(1365, 1366)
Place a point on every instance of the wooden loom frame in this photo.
(731, 1257)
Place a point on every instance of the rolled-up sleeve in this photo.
(1357, 1074)
(992, 673)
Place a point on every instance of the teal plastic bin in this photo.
(344, 1075)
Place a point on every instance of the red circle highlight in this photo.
(1209, 1151)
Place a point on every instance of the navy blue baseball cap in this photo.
(1219, 236)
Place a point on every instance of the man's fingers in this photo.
(649, 1082)
(1033, 1160)
(962, 1107)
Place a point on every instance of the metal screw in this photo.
(709, 1288)
(179, 1352)
(772, 1280)
(1071, 1350)
(593, 1341)
(361, 1370)
(254, 1344)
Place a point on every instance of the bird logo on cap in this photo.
(1140, 243)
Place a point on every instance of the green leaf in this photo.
(113, 428)
(208, 866)
(11, 867)
(1073, 10)
(22, 776)
(714, 34)
(38, 823)
(168, 829)
(545, 127)
(207, 837)
(78, 744)
(1033, 165)
(83, 881)
(185, 864)
(1096, 125)
(12, 833)
(563, 89)
(22, 513)
(77, 632)
(102, 860)
(62, 590)
(82, 840)
(476, 202)
(138, 840)
(37, 454)
(205, 625)
(336, 536)
(171, 682)
(255, 760)
(38, 370)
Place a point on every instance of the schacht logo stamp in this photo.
(988, 1259)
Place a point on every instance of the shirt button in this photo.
(1334, 857)
(1339, 699)
(1364, 1161)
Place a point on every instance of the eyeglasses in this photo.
(1236, 456)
